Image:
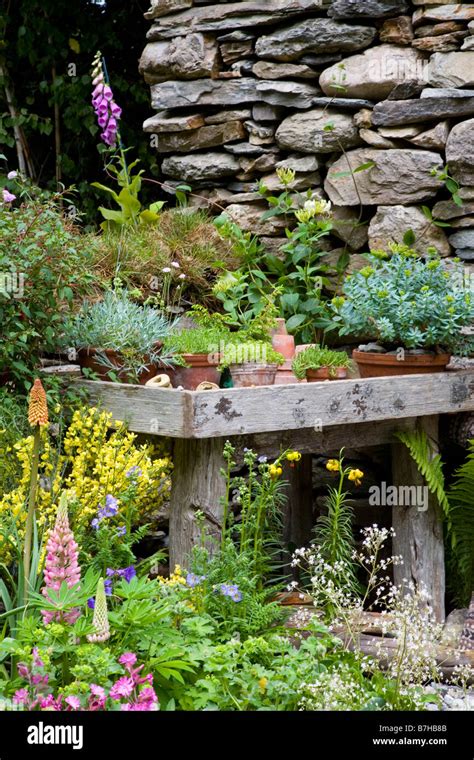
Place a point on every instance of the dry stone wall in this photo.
(242, 88)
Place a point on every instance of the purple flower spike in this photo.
(107, 111)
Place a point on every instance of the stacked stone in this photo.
(367, 100)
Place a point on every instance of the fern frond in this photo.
(429, 464)
(461, 501)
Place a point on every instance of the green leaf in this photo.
(409, 238)
(364, 167)
(295, 321)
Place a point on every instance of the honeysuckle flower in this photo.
(8, 197)
(12, 174)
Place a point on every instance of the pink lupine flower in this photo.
(61, 565)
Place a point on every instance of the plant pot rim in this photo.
(200, 360)
(252, 366)
(369, 357)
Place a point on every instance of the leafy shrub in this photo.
(139, 257)
(402, 300)
(93, 463)
(315, 357)
(44, 266)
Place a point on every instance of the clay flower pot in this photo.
(282, 342)
(250, 374)
(326, 373)
(386, 365)
(90, 358)
(200, 370)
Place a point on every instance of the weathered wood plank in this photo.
(338, 402)
(154, 411)
(360, 436)
(309, 406)
(197, 484)
(419, 534)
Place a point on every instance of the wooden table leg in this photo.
(197, 484)
(419, 534)
(298, 512)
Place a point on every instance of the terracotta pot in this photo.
(250, 374)
(285, 345)
(285, 375)
(89, 358)
(386, 365)
(201, 370)
(325, 373)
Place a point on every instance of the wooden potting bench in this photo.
(312, 418)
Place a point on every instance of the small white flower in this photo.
(175, 264)
(12, 174)
(166, 270)
(182, 276)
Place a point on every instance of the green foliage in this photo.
(461, 511)
(405, 301)
(315, 357)
(334, 537)
(130, 211)
(47, 64)
(119, 324)
(239, 350)
(429, 464)
(457, 506)
(201, 340)
(44, 262)
(299, 277)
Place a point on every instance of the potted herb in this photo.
(196, 355)
(414, 308)
(251, 362)
(315, 363)
(118, 339)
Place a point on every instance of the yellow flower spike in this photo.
(38, 405)
(333, 465)
(356, 476)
